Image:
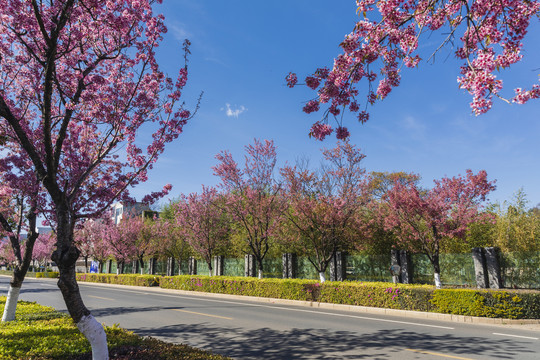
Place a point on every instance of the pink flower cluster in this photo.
(491, 40)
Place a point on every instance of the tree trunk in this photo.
(436, 271)
(210, 272)
(322, 277)
(179, 262)
(11, 303)
(19, 272)
(21, 268)
(65, 256)
(260, 264)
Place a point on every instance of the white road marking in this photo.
(517, 336)
(203, 314)
(99, 297)
(438, 354)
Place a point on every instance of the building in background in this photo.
(119, 210)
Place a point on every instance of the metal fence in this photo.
(519, 270)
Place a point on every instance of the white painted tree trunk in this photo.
(11, 304)
(95, 334)
(322, 277)
(260, 274)
(438, 283)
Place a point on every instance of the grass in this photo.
(42, 333)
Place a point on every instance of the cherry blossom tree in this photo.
(487, 37)
(6, 252)
(173, 243)
(381, 182)
(128, 233)
(121, 247)
(92, 238)
(422, 219)
(252, 195)
(204, 225)
(18, 213)
(43, 249)
(79, 82)
(324, 204)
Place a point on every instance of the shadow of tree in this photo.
(267, 343)
(43, 290)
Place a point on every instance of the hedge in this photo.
(509, 304)
(42, 333)
(48, 274)
(122, 279)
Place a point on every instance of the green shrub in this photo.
(502, 304)
(40, 333)
(377, 294)
(122, 279)
(48, 274)
(506, 304)
(458, 302)
(293, 289)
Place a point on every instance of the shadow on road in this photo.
(324, 344)
(37, 291)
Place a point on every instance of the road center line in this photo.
(99, 297)
(198, 313)
(300, 310)
(438, 354)
(517, 336)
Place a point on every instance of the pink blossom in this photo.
(291, 79)
(490, 40)
(342, 133)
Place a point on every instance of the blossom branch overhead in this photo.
(490, 36)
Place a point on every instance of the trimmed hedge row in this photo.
(506, 304)
(48, 274)
(122, 279)
(509, 304)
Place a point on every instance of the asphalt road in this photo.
(253, 330)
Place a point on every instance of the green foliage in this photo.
(48, 274)
(521, 269)
(294, 289)
(458, 302)
(478, 235)
(494, 304)
(374, 294)
(122, 279)
(517, 229)
(41, 333)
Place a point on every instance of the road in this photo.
(254, 330)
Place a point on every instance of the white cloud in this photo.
(234, 112)
(178, 30)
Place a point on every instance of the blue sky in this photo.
(241, 53)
